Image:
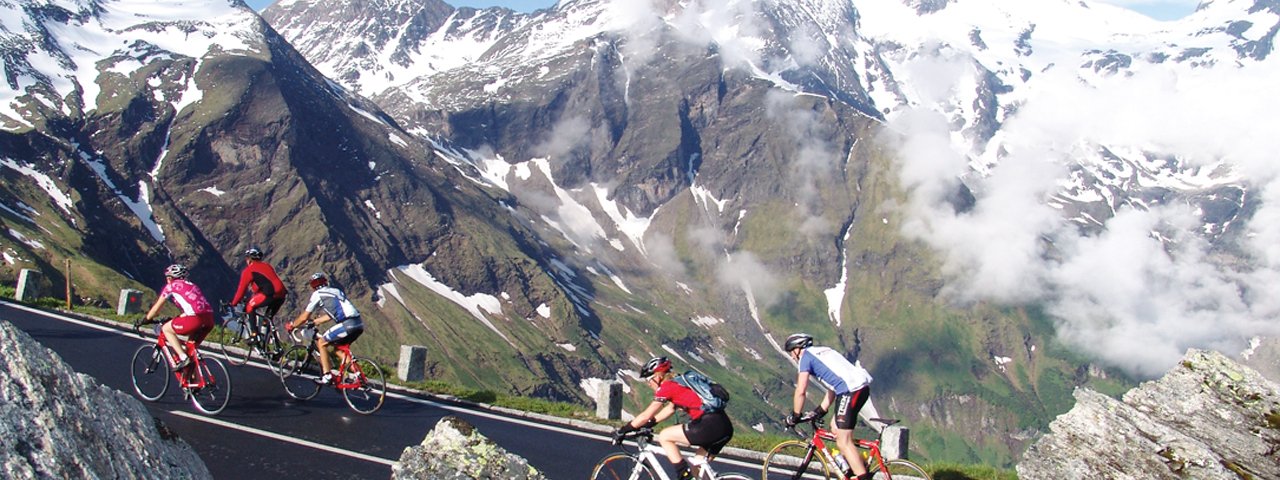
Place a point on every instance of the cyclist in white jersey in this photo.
(848, 387)
(329, 304)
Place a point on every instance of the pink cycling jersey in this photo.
(186, 296)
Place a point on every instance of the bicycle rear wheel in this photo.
(794, 459)
(372, 390)
(899, 469)
(621, 466)
(297, 373)
(150, 372)
(732, 476)
(216, 392)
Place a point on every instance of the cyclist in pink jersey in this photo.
(196, 320)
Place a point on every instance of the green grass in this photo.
(961, 471)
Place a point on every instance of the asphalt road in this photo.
(265, 434)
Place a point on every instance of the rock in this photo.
(455, 450)
(61, 424)
(1208, 418)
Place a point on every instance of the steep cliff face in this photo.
(1209, 418)
(56, 423)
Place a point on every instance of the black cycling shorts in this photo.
(711, 431)
(847, 406)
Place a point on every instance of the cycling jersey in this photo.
(261, 279)
(833, 370)
(334, 303)
(187, 296)
(683, 397)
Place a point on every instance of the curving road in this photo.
(265, 434)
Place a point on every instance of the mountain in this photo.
(963, 195)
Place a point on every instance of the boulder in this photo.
(56, 423)
(454, 450)
(1208, 418)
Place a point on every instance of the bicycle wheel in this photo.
(899, 469)
(235, 348)
(216, 392)
(794, 459)
(150, 372)
(732, 476)
(297, 373)
(621, 466)
(367, 398)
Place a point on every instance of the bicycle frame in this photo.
(817, 444)
(647, 454)
(197, 364)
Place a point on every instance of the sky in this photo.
(1157, 9)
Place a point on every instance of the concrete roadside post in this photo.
(893, 442)
(29, 285)
(609, 400)
(130, 302)
(413, 363)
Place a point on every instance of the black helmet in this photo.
(798, 340)
(655, 365)
(318, 280)
(176, 270)
(254, 253)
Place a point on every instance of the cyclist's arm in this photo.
(302, 318)
(649, 412)
(155, 308)
(827, 399)
(665, 413)
(245, 278)
(797, 400)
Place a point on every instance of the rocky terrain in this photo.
(56, 423)
(1209, 418)
(454, 450)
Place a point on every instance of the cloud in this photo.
(567, 135)
(744, 270)
(1146, 285)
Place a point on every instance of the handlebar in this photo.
(137, 324)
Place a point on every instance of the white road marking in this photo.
(283, 438)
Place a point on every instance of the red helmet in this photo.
(655, 365)
(319, 279)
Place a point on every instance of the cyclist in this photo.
(196, 320)
(847, 385)
(709, 431)
(266, 290)
(329, 304)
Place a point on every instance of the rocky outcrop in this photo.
(57, 423)
(455, 450)
(1208, 418)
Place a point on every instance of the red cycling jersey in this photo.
(683, 397)
(262, 279)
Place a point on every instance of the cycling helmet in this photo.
(176, 270)
(254, 253)
(319, 279)
(798, 340)
(655, 365)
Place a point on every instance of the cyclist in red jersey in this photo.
(259, 279)
(709, 431)
(196, 320)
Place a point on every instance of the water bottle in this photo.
(842, 465)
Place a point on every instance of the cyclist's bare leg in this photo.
(671, 438)
(322, 346)
(849, 448)
(171, 339)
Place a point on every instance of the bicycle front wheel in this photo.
(235, 347)
(621, 466)
(793, 460)
(732, 476)
(215, 393)
(297, 375)
(899, 469)
(150, 372)
(368, 386)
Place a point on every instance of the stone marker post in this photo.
(413, 363)
(29, 285)
(130, 302)
(609, 400)
(893, 442)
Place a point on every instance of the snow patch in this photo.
(33, 243)
(214, 191)
(706, 322)
(544, 310)
(477, 304)
(61, 199)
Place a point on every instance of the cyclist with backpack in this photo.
(708, 428)
(328, 303)
(847, 385)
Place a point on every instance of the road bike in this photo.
(643, 463)
(361, 381)
(811, 459)
(247, 333)
(205, 380)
